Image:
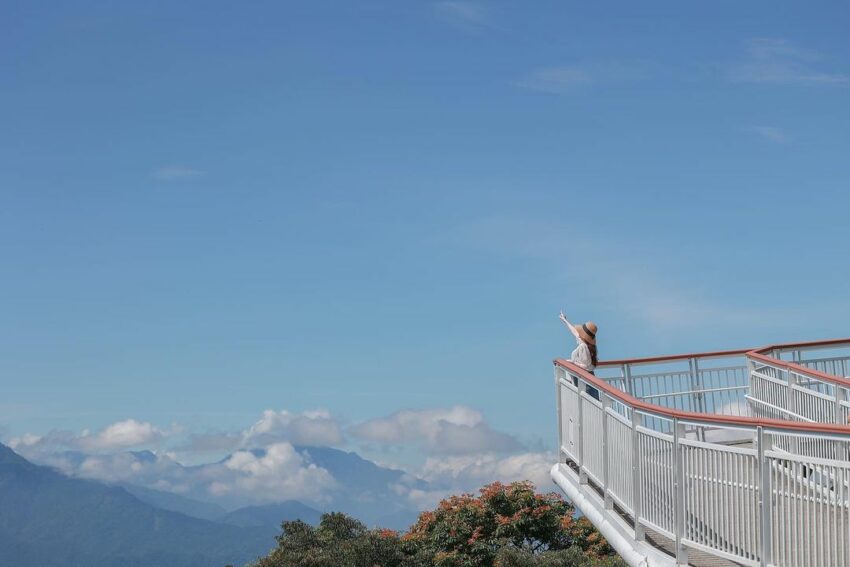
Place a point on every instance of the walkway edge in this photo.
(636, 554)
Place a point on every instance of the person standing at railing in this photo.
(585, 354)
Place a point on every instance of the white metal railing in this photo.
(808, 387)
(712, 383)
(779, 496)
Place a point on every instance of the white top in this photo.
(581, 355)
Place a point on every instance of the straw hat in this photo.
(587, 332)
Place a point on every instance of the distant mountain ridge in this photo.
(50, 520)
(272, 515)
(175, 502)
(365, 490)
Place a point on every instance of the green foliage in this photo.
(338, 540)
(504, 526)
(572, 557)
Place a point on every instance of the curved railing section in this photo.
(743, 455)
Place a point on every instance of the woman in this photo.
(584, 354)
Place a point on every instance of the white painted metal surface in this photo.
(750, 490)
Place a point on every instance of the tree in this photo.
(504, 526)
(572, 557)
(468, 531)
(337, 541)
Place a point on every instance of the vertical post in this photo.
(751, 369)
(627, 377)
(582, 475)
(791, 381)
(765, 498)
(679, 492)
(637, 487)
(840, 411)
(606, 465)
(699, 399)
(559, 409)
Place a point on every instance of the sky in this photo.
(367, 215)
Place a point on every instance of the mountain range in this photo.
(48, 519)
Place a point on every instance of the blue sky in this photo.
(212, 209)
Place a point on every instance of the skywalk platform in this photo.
(724, 458)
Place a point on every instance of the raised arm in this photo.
(569, 325)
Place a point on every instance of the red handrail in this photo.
(823, 343)
(721, 353)
(799, 369)
(756, 354)
(702, 417)
(651, 359)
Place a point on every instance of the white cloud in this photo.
(246, 477)
(556, 80)
(770, 133)
(453, 475)
(175, 173)
(778, 61)
(119, 435)
(316, 427)
(457, 430)
(466, 15)
(565, 79)
(480, 469)
(280, 471)
(621, 276)
(123, 434)
(265, 466)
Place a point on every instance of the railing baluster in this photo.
(582, 475)
(627, 378)
(637, 468)
(840, 412)
(679, 493)
(606, 441)
(735, 502)
(765, 498)
(562, 456)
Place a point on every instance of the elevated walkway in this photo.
(725, 458)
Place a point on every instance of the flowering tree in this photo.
(504, 526)
(469, 531)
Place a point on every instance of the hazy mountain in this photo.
(50, 520)
(176, 502)
(367, 490)
(272, 515)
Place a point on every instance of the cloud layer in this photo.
(455, 431)
(469, 16)
(313, 428)
(120, 435)
(778, 61)
(271, 460)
